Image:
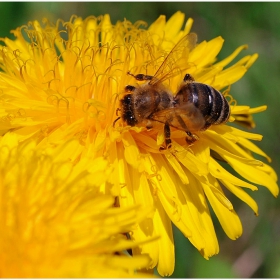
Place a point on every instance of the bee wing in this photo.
(168, 67)
(186, 117)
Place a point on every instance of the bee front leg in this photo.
(129, 88)
(114, 123)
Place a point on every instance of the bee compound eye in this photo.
(126, 100)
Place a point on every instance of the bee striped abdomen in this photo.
(210, 102)
(219, 112)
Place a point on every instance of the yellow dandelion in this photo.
(65, 81)
(55, 223)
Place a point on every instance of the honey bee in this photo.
(195, 106)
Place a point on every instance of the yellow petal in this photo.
(241, 194)
(174, 24)
(188, 25)
(208, 49)
(228, 218)
(253, 174)
(247, 109)
(229, 131)
(252, 60)
(131, 151)
(158, 25)
(199, 219)
(189, 160)
(107, 32)
(220, 173)
(252, 147)
(229, 76)
(179, 170)
(166, 243)
(230, 58)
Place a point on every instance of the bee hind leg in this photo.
(191, 138)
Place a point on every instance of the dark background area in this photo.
(257, 252)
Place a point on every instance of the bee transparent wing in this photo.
(186, 117)
(169, 66)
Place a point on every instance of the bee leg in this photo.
(141, 77)
(116, 121)
(129, 88)
(188, 78)
(117, 111)
(149, 125)
(191, 137)
(167, 133)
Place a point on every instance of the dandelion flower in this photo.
(54, 222)
(63, 82)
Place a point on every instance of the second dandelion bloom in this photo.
(66, 81)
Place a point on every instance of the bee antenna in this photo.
(128, 73)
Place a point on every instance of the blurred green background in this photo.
(257, 252)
